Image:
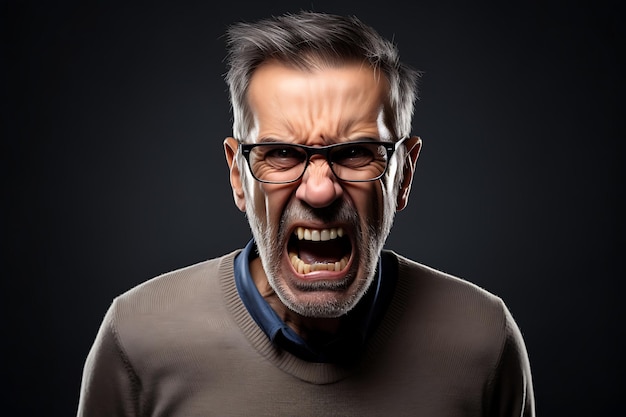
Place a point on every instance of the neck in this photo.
(303, 326)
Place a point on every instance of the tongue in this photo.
(320, 252)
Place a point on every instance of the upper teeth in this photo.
(318, 234)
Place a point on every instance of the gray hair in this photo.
(308, 39)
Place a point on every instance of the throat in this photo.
(310, 256)
(310, 328)
(320, 252)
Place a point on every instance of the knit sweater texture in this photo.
(183, 344)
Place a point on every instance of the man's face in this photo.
(318, 238)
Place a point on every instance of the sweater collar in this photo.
(357, 325)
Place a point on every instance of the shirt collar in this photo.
(363, 318)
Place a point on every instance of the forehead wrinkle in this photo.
(334, 114)
(312, 105)
(317, 112)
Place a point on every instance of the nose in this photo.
(319, 187)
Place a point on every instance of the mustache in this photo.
(339, 211)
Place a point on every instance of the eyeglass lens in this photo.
(350, 161)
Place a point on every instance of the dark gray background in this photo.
(113, 169)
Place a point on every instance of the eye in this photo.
(282, 156)
(354, 155)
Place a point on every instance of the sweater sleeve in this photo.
(511, 389)
(109, 385)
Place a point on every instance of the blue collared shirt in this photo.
(357, 325)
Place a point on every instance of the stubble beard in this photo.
(271, 240)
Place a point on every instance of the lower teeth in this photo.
(304, 268)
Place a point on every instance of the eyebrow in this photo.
(270, 140)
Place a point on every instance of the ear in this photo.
(413, 145)
(230, 149)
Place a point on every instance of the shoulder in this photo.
(453, 309)
(170, 324)
(172, 302)
(170, 311)
(468, 335)
(443, 288)
(178, 288)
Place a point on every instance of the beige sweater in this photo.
(183, 344)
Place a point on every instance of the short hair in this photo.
(305, 40)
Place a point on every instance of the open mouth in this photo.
(312, 250)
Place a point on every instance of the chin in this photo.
(319, 262)
(319, 294)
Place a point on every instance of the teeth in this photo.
(317, 235)
(304, 268)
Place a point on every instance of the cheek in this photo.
(380, 208)
(270, 201)
(368, 199)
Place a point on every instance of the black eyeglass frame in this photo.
(325, 151)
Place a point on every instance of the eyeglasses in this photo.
(282, 163)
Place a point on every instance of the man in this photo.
(312, 317)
